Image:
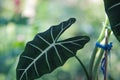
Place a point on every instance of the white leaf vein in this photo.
(117, 25)
(46, 57)
(51, 32)
(26, 76)
(36, 69)
(77, 44)
(62, 29)
(82, 39)
(67, 49)
(115, 5)
(27, 57)
(43, 39)
(58, 54)
(35, 47)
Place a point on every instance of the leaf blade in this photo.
(112, 8)
(44, 53)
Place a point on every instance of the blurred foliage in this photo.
(13, 35)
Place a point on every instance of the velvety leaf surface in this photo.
(112, 8)
(44, 53)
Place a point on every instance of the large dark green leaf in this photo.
(44, 53)
(112, 8)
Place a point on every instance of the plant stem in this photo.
(101, 37)
(83, 66)
(97, 64)
(108, 32)
(92, 62)
(100, 57)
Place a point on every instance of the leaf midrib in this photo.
(37, 59)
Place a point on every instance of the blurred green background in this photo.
(20, 20)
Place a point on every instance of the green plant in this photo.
(46, 52)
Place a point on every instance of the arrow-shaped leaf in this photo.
(44, 53)
(112, 8)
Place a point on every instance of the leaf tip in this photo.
(72, 20)
(88, 38)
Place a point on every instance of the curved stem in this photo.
(97, 64)
(108, 32)
(92, 62)
(101, 37)
(83, 66)
(99, 58)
